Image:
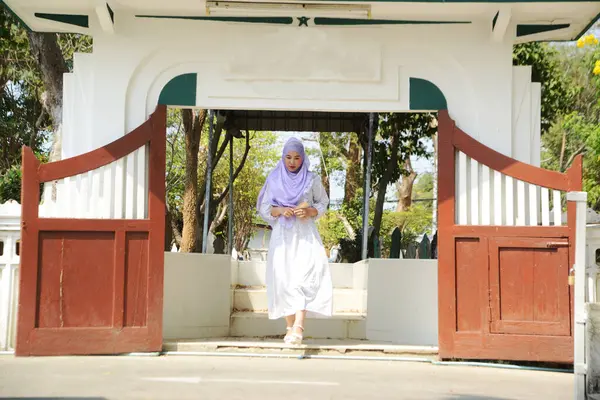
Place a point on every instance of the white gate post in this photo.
(580, 199)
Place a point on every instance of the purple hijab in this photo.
(286, 188)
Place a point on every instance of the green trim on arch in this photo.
(425, 96)
(349, 21)
(111, 13)
(180, 91)
(251, 20)
(532, 29)
(495, 20)
(71, 19)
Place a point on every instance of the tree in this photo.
(557, 96)
(399, 136)
(31, 67)
(251, 162)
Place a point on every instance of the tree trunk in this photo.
(352, 171)
(405, 187)
(383, 183)
(44, 48)
(192, 127)
(325, 180)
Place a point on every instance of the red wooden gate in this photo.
(91, 279)
(504, 256)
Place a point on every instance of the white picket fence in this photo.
(116, 191)
(488, 197)
(10, 233)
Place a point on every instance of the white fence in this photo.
(488, 197)
(10, 233)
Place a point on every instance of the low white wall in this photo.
(402, 301)
(344, 276)
(197, 295)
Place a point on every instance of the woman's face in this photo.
(293, 161)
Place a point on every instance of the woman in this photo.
(298, 277)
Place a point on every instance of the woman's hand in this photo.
(279, 211)
(305, 212)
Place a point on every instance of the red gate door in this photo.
(91, 277)
(504, 254)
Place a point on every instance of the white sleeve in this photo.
(265, 207)
(320, 198)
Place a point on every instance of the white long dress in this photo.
(298, 276)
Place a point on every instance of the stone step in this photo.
(326, 347)
(339, 326)
(344, 300)
(343, 276)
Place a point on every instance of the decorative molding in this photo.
(250, 20)
(425, 96)
(71, 19)
(180, 91)
(349, 21)
(532, 29)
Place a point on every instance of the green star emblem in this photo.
(303, 21)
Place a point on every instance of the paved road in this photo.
(181, 377)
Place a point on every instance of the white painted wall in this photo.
(197, 295)
(402, 302)
(252, 66)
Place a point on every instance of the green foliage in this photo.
(331, 229)
(10, 184)
(557, 93)
(412, 223)
(260, 159)
(412, 131)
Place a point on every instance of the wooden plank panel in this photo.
(462, 190)
(94, 210)
(486, 205)
(557, 208)
(515, 281)
(136, 279)
(76, 278)
(130, 186)
(119, 189)
(99, 225)
(533, 205)
(521, 217)
(498, 198)
(141, 183)
(509, 201)
(108, 191)
(514, 347)
(468, 304)
(545, 203)
(474, 189)
(548, 275)
(527, 295)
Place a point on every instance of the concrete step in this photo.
(344, 300)
(309, 347)
(343, 276)
(339, 326)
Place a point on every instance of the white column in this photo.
(580, 198)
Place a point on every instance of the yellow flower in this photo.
(597, 64)
(595, 41)
(580, 43)
(597, 70)
(589, 39)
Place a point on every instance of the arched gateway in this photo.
(505, 253)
